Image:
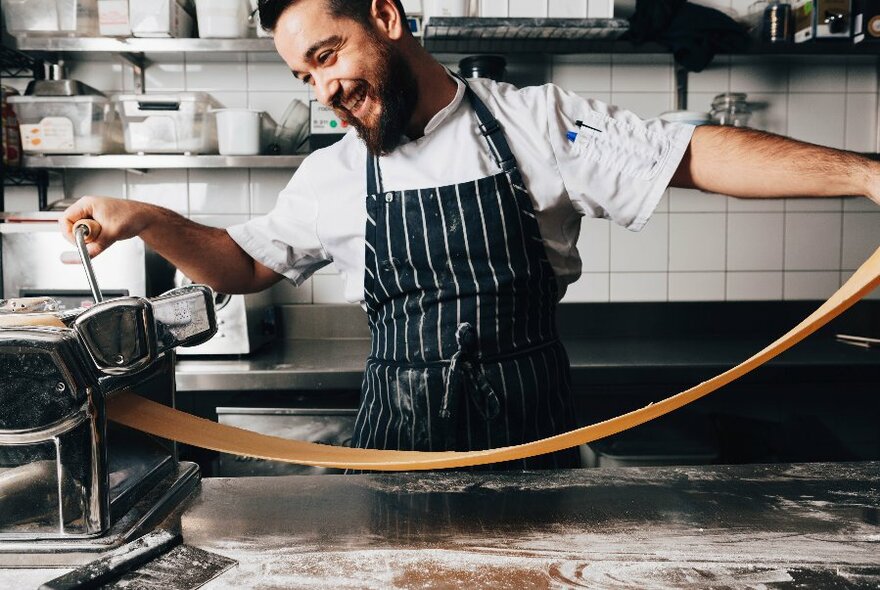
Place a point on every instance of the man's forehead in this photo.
(306, 23)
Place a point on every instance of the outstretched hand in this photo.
(119, 219)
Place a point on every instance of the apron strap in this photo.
(374, 176)
(489, 127)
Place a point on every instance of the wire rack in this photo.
(523, 35)
(14, 64)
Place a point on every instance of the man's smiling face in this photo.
(355, 69)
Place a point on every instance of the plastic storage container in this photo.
(222, 19)
(161, 18)
(168, 123)
(239, 131)
(66, 124)
(51, 17)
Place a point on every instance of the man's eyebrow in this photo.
(310, 52)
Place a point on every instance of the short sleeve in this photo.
(286, 239)
(619, 165)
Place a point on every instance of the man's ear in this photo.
(387, 19)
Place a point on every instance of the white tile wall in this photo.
(639, 286)
(697, 242)
(696, 286)
(644, 251)
(813, 241)
(698, 246)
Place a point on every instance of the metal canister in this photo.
(777, 23)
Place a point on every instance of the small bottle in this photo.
(776, 24)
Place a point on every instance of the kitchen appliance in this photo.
(38, 261)
(72, 485)
(244, 323)
(326, 126)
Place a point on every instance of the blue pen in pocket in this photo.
(573, 135)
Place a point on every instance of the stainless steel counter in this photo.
(281, 365)
(321, 364)
(814, 525)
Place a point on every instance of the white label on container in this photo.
(50, 134)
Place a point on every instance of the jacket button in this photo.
(389, 197)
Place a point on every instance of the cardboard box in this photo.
(113, 18)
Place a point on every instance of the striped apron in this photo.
(461, 302)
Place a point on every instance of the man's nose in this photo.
(326, 89)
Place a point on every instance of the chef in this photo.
(452, 211)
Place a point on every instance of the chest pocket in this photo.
(418, 239)
(616, 145)
(453, 237)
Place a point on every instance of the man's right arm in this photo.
(205, 254)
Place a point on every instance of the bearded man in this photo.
(452, 212)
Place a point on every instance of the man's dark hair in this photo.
(356, 10)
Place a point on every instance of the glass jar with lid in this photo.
(731, 109)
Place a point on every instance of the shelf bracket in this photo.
(139, 64)
(681, 88)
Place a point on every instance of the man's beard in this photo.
(396, 92)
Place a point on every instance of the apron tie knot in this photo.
(463, 366)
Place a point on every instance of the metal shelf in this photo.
(524, 35)
(134, 45)
(447, 35)
(159, 161)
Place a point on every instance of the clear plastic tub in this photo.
(51, 17)
(66, 124)
(177, 123)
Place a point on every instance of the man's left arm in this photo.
(749, 163)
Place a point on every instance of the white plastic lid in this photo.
(166, 97)
(692, 117)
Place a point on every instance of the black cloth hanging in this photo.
(692, 32)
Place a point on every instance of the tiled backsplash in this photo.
(697, 247)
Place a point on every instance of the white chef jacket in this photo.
(618, 168)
